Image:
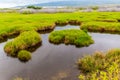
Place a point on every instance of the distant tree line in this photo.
(34, 7)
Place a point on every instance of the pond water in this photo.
(54, 62)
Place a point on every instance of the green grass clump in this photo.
(102, 27)
(24, 55)
(61, 22)
(100, 67)
(91, 63)
(74, 22)
(23, 41)
(71, 36)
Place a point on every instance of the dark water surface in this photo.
(54, 62)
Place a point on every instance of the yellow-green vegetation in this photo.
(25, 40)
(24, 55)
(100, 66)
(61, 22)
(71, 36)
(101, 27)
(14, 23)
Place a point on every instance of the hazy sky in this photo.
(11, 3)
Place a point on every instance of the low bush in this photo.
(34, 7)
(95, 7)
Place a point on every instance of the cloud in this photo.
(7, 5)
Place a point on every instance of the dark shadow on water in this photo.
(25, 61)
(77, 46)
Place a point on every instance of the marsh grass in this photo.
(23, 41)
(74, 22)
(61, 22)
(24, 55)
(102, 27)
(100, 66)
(14, 23)
(71, 36)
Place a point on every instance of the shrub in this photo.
(24, 55)
(95, 7)
(34, 7)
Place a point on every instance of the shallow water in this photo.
(54, 62)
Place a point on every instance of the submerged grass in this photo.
(100, 66)
(22, 42)
(71, 36)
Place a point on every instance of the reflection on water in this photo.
(54, 62)
(66, 27)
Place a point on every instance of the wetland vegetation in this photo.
(71, 36)
(26, 28)
(100, 66)
(24, 55)
(24, 41)
(13, 23)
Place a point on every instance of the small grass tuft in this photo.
(24, 55)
